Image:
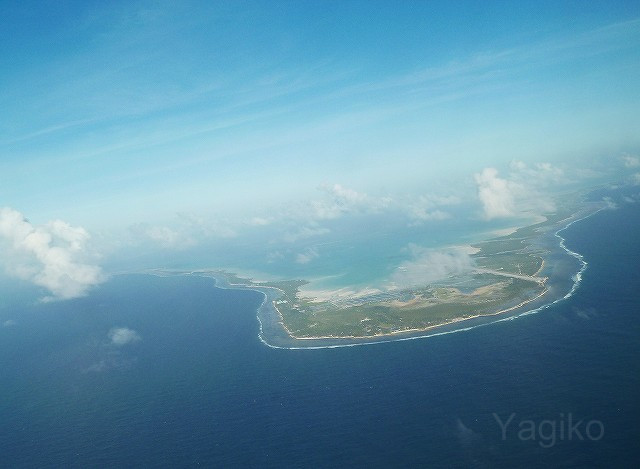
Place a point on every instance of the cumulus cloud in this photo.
(114, 360)
(340, 200)
(635, 179)
(259, 221)
(199, 228)
(631, 161)
(523, 190)
(537, 174)
(305, 232)
(53, 256)
(610, 204)
(122, 336)
(307, 256)
(530, 184)
(422, 214)
(585, 313)
(185, 231)
(274, 256)
(429, 208)
(343, 195)
(495, 193)
(309, 218)
(430, 265)
(168, 237)
(631, 199)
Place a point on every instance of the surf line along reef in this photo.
(512, 274)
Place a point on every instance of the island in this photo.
(527, 269)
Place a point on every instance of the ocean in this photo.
(198, 388)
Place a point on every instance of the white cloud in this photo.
(52, 256)
(342, 200)
(186, 231)
(427, 208)
(495, 193)
(122, 336)
(339, 202)
(586, 313)
(422, 214)
(524, 190)
(113, 361)
(631, 161)
(259, 221)
(9, 323)
(539, 174)
(274, 256)
(586, 173)
(429, 265)
(323, 210)
(307, 256)
(530, 185)
(197, 227)
(635, 179)
(305, 232)
(168, 237)
(343, 195)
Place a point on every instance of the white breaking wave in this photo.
(577, 279)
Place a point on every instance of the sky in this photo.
(177, 124)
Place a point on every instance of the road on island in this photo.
(540, 280)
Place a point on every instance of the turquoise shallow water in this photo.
(367, 254)
(362, 251)
(563, 271)
(200, 389)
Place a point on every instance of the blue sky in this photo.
(122, 115)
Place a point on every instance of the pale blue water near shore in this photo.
(563, 272)
(357, 253)
(199, 388)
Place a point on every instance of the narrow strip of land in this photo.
(501, 273)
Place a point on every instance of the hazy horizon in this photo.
(164, 130)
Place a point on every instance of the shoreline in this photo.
(432, 330)
(270, 317)
(416, 330)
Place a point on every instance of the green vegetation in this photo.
(488, 248)
(515, 263)
(506, 275)
(288, 287)
(305, 318)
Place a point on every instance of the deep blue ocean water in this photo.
(199, 388)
